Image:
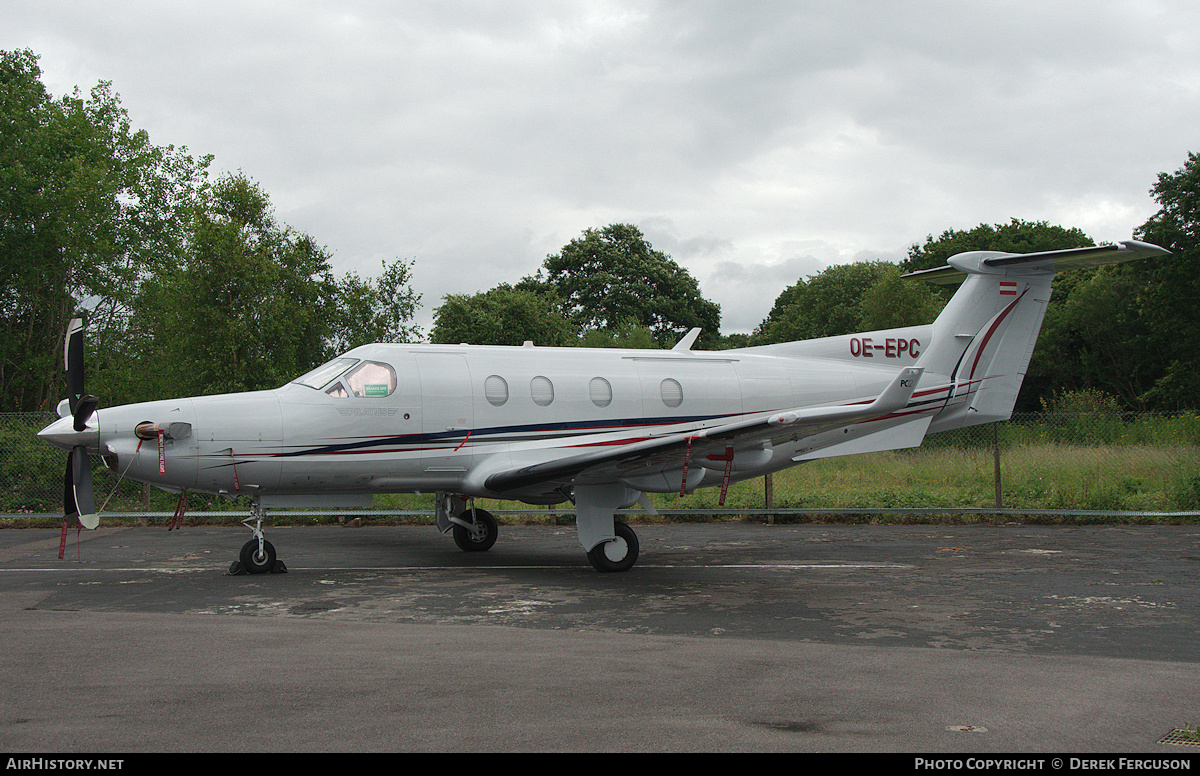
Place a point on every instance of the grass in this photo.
(1045, 476)
(1149, 465)
(1037, 477)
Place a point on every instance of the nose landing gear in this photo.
(258, 554)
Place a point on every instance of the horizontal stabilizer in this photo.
(1041, 261)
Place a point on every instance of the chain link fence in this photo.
(31, 471)
(1080, 429)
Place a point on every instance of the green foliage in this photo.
(612, 276)
(1017, 236)
(1169, 289)
(735, 340)
(1088, 400)
(847, 298)
(502, 316)
(1187, 492)
(1090, 339)
(379, 310)
(1038, 476)
(87, 207)
(1113, 329)
(891, 303)
(31, 471)
(249, 307)
(186, 286)
(628, 335)
(1133, 329)
(827, 304)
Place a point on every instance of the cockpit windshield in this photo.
(320, 377)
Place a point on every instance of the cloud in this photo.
(752, 142)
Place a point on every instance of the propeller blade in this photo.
(73, 362)
(78, 501)
(84, 407)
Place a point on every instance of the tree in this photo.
(1091, 340)
(249, 307)
(87, 207)
(379, 310)
(827, 304)
(610, 278)
(1169, 289)
(893, 302)
(627, 335)
(1017, 236)
(502, 316)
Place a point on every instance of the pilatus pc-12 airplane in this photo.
(600, 428)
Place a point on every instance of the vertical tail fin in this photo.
(983, 339)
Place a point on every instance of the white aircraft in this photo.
(597, 427)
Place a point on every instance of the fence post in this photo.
(996, 462)
(769, 494)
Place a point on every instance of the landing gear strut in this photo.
(258, 554)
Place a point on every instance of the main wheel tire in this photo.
(481, 542)
(255, 562)
(617, 554)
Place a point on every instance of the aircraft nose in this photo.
(62, 434)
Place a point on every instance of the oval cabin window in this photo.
(542, 390)
(495, 388)
(672, 392)
(601, 392)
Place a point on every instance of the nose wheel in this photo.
(256, 559)
(258, 554)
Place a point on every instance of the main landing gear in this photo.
(474, 530)
(617, 554)
(610, 544)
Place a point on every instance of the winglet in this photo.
(894, 397)
(897, 394)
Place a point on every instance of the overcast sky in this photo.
(754, 142)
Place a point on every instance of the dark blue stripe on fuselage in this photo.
(484, 434)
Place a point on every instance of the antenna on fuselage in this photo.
(688, 340)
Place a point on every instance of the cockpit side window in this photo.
(371, 379)
(320, 377)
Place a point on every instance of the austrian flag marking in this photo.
(1008, 288)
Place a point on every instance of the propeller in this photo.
(78, 501)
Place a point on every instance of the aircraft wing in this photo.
(601, 463)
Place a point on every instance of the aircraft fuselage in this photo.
(438, 418)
